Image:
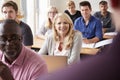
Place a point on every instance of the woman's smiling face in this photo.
(62, 26)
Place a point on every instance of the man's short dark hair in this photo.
(103, 3)
(85, 3)
(9, 22)
(10, 3)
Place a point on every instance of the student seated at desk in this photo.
(46, 27)
(64, 40)
(71, 11)
(88, 25)
(10, 11)
(105, 17)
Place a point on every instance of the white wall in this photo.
(61, 4)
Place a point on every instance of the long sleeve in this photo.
(48, 46)
(75, 50)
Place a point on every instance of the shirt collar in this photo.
(89, 19)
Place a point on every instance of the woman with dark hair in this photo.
(5, 73)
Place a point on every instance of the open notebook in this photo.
(55, 62)
(98, 44)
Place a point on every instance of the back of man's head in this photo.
(10, 26)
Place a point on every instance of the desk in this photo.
(55, 62)
(89, 51)
(108, 36)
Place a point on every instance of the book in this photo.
(97, 44)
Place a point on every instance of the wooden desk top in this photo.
(108, 37)
(90, 51)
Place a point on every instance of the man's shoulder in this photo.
(66, 11)
(97, 13)
(24, 25)
(78, 19)
(77, 11)
(33, 57)
(95, 18)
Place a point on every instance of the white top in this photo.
(57, 52)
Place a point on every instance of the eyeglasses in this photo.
(5, 38)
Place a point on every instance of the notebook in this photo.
(98, 44)
(55, 62)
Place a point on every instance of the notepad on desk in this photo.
(98, 44)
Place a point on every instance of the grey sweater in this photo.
(73, 56)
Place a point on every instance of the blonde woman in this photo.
(46, 26)
(71, 11)
(64, 41)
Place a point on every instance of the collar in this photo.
(89, 18)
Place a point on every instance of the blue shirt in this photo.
(93, 29)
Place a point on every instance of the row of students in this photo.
(66, 38)
(104, 15)
(101, 67)
(64, 41)
(91, 30)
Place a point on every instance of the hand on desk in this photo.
(87, 41)
(93, 40)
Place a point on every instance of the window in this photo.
(34, 12)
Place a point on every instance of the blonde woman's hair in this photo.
(68, 42)
(48, 23)
(70, 3)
